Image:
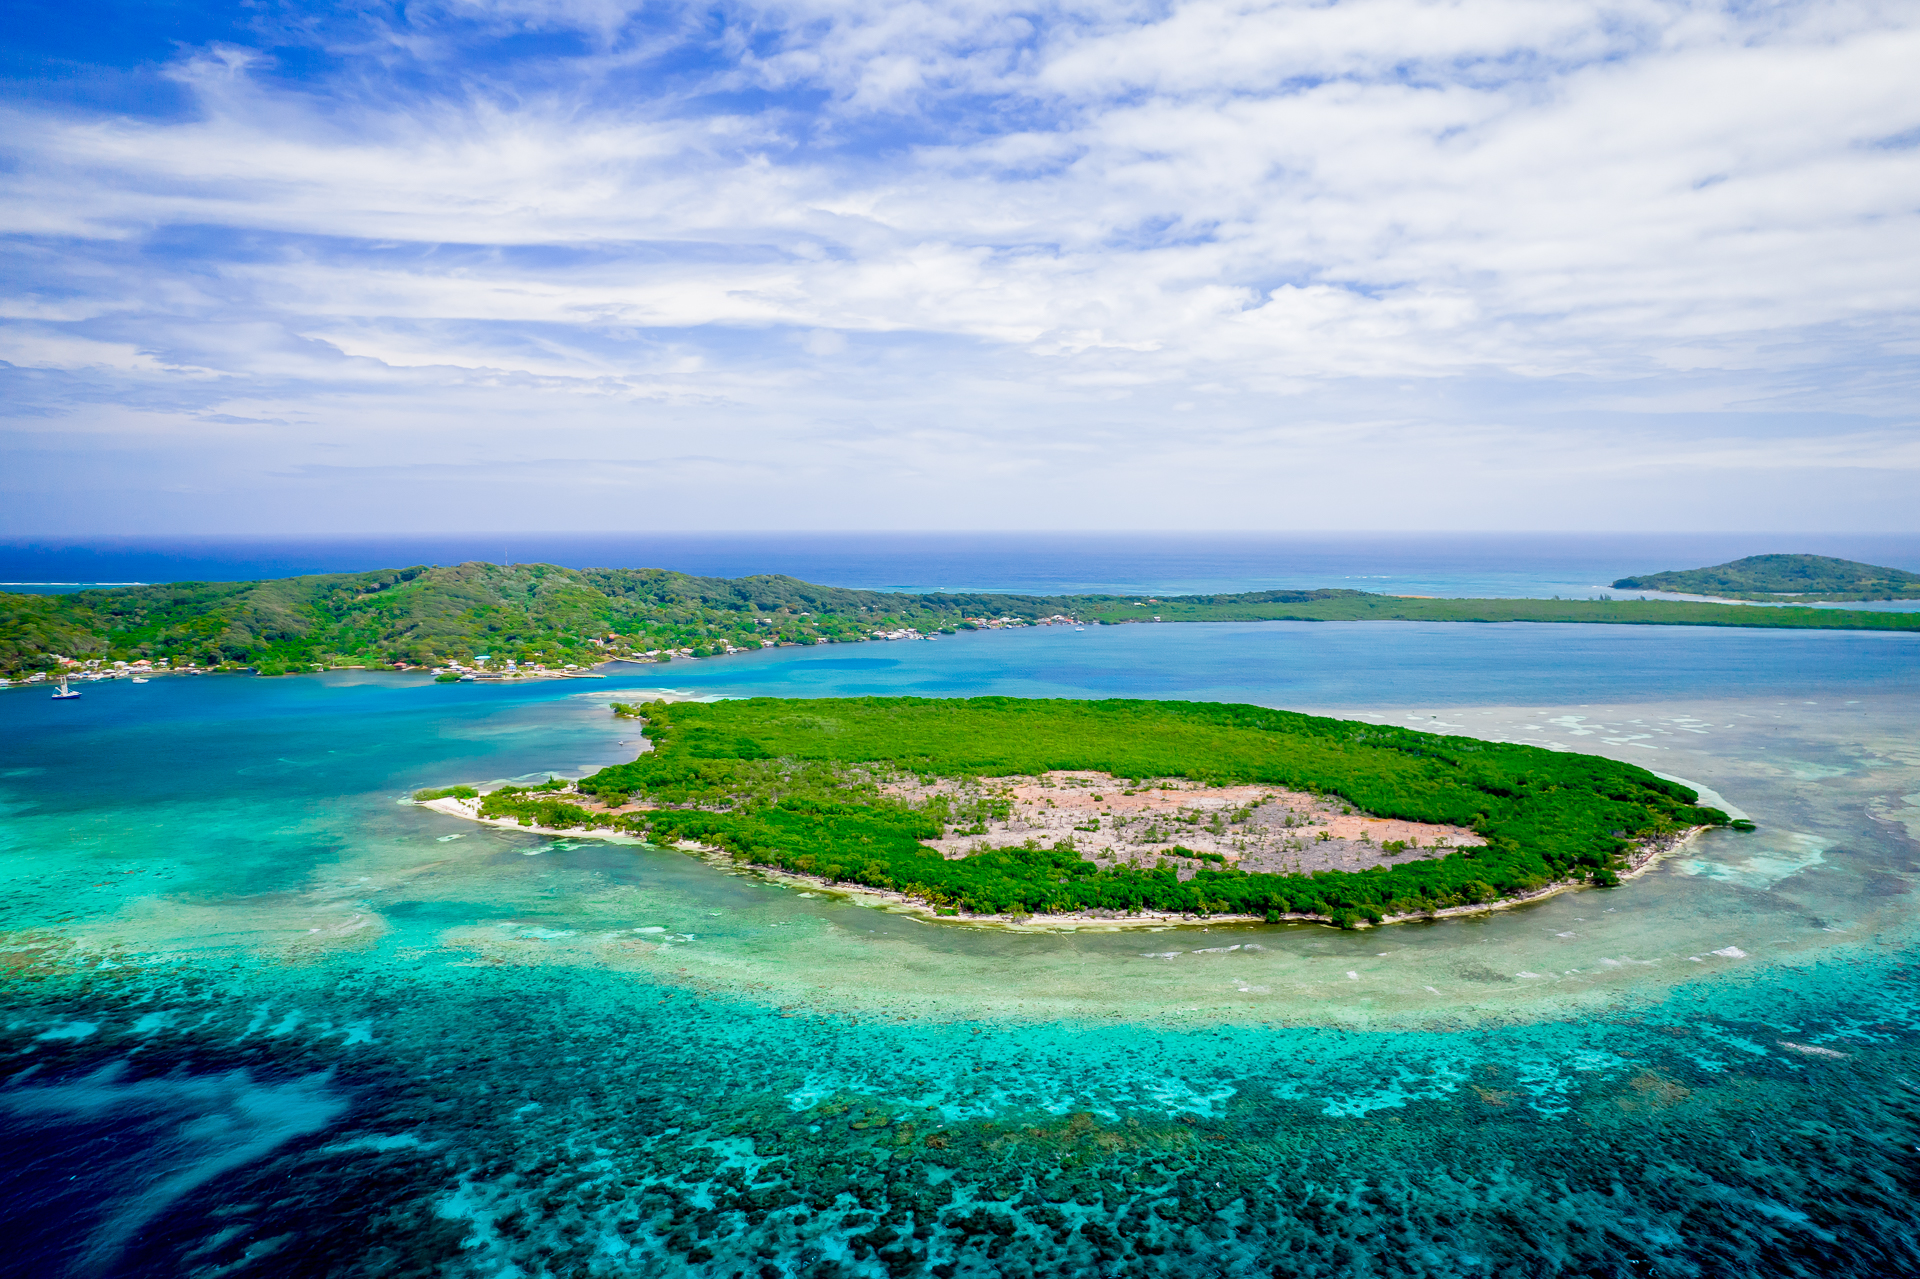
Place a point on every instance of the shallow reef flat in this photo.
(264, 1016)
(397, 1117)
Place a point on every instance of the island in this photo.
(1794, 578)
(523, 621)
(1004, 809)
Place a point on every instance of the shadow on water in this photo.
(87, 1163)
(540, 1122)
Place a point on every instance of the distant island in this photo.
(512, 621)
(1811, 578)
(1110, 810)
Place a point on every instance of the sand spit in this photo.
(469, 809)
(1149, 801)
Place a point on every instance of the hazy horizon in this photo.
(1478, 564)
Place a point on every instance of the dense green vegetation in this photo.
(797, 785)
(1358, 607)
(537, 613)
(1767, 577)
(422, 616)
(446, 792)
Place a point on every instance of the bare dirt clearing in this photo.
(1110, 821)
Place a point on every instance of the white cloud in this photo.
(32, 346)
(938, 223)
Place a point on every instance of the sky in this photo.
(284, 268)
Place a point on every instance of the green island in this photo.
(1356, 606)
(1789, 577)
(840, 790)
(425, 616)
(483, 616)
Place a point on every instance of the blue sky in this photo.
(285, 268)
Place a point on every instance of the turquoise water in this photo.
(1326, 664)
(264, 1017)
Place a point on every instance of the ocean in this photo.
(1479, 565)
(264, 1016)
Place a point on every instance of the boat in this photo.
(139, 679)
(63, 693)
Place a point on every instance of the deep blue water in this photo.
(1457, 564)
(261, 1018)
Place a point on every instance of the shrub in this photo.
(446, 792)
(790, 784)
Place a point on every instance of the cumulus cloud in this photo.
(1011, 265)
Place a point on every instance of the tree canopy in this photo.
(796, 784)
(1764, 577)
(425, 615)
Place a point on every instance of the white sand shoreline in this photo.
(1643, 859)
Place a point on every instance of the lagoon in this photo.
(250, 986)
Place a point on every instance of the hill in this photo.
(423, 615)
(525, 612)
(542, 613)
(1770, 577)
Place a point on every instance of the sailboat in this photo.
(63, 692)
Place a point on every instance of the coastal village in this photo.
(619, 649)
(484, 668)
(75, 671)
(489, 621)
(512, 622)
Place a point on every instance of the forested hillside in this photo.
(425, 615)
(1767, 577)
(539, 612)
